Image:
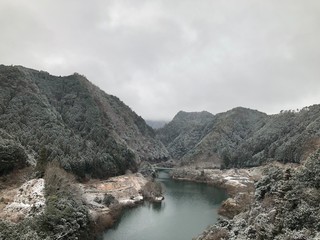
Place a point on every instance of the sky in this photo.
(163, 56)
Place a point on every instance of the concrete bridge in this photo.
(162, 168)
(162, 172)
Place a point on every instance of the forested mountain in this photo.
(88, 131)
(185, 131)
(243, 137)
(92, 133)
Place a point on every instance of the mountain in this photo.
(243, 137)
(185, 131)
(88, 131)
(223, 137)
(156, 124)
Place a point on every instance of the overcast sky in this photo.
(162, 56)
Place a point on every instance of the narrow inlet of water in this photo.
(188, 208)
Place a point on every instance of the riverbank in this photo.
(123, 191)
(232, 180)
(238, 183)
(105, 199)
(285, 206)
(189, 206)
(28, 199)
(127, 191)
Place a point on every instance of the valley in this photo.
(73, 159)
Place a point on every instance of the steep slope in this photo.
(228, 131)
(286, 206)
(243, 137)
(185, 131)
(86, 130)
(287, 137)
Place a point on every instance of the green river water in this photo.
(188, 208)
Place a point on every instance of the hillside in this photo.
(88, 131)
(243, 137)
(285, 206)
(184, 132)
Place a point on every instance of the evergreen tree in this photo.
(42, 163)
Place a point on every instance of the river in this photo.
(188, 208)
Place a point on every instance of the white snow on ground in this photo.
(125, 188)
(235, 183)
(132, 200)
(232, 177)
(28, 200)
(237, 180)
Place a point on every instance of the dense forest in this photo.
(242, 137)
(89, 132)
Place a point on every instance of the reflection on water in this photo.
(188, 208)
(158, 206)
(163, 174)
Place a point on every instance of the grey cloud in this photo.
(160, 57)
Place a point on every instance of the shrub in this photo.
(152, 190)
(219, 235)
(41, 163)
(59, 182)
(108, 199)
(12, 156)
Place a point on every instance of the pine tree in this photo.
(42, 163)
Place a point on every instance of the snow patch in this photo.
(29, 199)
(238, 180)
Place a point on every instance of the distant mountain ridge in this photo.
(88, 131)
(242, 137)
(184, 131)
(156, 124)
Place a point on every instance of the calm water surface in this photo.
(188, 208)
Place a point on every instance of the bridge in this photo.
(162, 168)
(162, 172)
